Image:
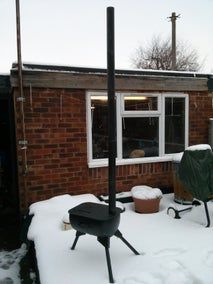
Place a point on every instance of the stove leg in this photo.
(78, 234)
(120, 236)
(207, 214)
(105, 241)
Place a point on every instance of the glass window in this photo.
(140, 137)
(140, 103)
(148, 126)
(99, 120)
(174, 125)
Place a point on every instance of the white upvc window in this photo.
(150, 127)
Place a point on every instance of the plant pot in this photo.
(146, 205)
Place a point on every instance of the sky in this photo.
(73, 33)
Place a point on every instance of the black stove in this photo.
(98, 219)
(95, 219)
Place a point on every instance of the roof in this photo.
(91, 78)
(95, 70)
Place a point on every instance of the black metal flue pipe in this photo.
(101, 221)
(111, 110)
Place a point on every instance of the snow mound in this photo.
(49, 214)
(177, 157)
(146, 192)
(199, 147)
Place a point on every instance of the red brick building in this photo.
(61, 128)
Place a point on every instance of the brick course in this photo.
(57, 147)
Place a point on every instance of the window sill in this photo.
(104, 162)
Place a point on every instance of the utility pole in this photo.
(173, 19)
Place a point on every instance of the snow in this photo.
(50, 214)
(118, 195)
(177, 251)
(9, 265)
(198, 147)
(177, 157)
(52, 67)
(145, 192)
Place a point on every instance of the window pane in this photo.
(174, 125)
(140, 137)
(99, 118)
(140, 103)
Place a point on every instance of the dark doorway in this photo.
(9, 205)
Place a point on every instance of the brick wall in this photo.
(201, 109)
(57, 147)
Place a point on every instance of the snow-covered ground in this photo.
(9, 265)
(172, 251)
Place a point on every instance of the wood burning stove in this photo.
(97, 219)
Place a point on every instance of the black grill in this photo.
(94, 219)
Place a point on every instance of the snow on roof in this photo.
(46, 67)
(170, 252)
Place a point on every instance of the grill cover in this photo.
(196, 173)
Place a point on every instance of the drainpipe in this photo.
(21, 100)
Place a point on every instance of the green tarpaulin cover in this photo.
(196, 173)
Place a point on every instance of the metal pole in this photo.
(21, 100)
(18, 33)
(173, 20)
(111, 109)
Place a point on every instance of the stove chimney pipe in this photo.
(111, 110)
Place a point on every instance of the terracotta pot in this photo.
(146, 205)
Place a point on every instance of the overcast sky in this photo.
(73, 32)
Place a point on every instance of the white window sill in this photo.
(104, 162)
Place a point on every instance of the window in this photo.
(140, 137)
(174, 125)
(99, 117)
(140, 103)
(150, 127)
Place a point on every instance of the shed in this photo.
(159, 113)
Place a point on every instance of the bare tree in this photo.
(157, 55)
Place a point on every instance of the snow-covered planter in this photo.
(146, 198)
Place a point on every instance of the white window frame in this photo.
(120, 112)
(139, 112)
